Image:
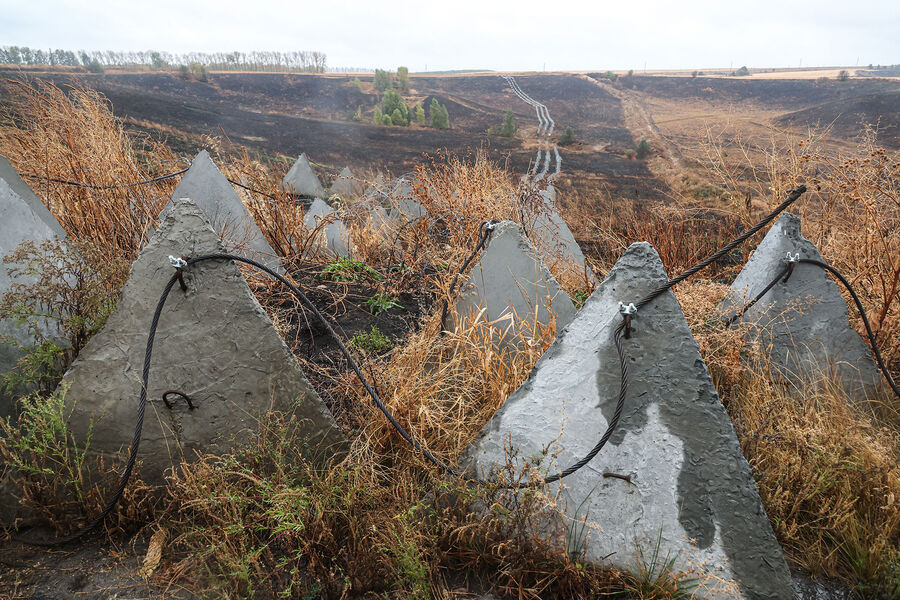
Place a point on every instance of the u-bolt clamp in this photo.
(180, 265)
(627, 311)
(792, 260)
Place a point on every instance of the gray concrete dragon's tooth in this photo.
(512, 286)
(554, 239)
(346, 186)
(801, 324)
(209, 189)
(9, 174)
(334, 237)
(20, 222)
(403, 199)
(214, 343)
(690, 486)
(302, 180)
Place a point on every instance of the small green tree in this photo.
(392, 101)
(356, 83)
(420, 115)
(383, 80)
(642, 150)
(376, 118)
(403, 79)
(386, 120)
(509, 125)
(843, 75)
(568, 137)
(440, 118)
(397, 118)
(156, 61)
(742, 72)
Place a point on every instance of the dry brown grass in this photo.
(71, 134)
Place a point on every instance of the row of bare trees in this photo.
(301, 60)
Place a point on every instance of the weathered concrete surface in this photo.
(690, 484)
(208, 188)
(553, 238)
(214, 343)
(803, 323)
(19, 223)
(513, 286)
(302, 180)
(18, 185)
(334, 238)
(403, 199)
(346, 186)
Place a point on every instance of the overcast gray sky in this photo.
(482, 34)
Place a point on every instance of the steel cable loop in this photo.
(106, 187)
(865, 319)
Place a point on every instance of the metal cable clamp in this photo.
(180, 265)
(793, 260)
(627, 311)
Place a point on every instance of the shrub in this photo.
(440, 118)
(377, 117)
(374, 341)
(383, 80)
(382, 302)
(420, 115)
(386, 120)
(74, 291)
(509, 125)
(642, 150)
(568, 137)
(403, 79)
(843, 75)
(742, 72)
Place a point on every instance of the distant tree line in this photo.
(297, 61)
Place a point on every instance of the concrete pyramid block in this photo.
(512, 286)
(20, 223)
(346, 185)
(690, 486)
(335, 238)
(214, 343)
(208, 188)
(18, 185)
(554, 239)
(803, 323)
(405, 204)
(302, 180)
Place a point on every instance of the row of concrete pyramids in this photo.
(689, 484)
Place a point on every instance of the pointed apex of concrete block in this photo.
(346, 185)
(302, 180)
(334, 238)
(211, 191)
(9, 174)
(513, 287)
(690, 487)
(804, 321)
(553, 238)
(214, 343)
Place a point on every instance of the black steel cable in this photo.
(106, 187)
(865, 319)
(487, 227)
(250, 189)
(623, 387)
(793, 195)
(135, 441)
(784, 271)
